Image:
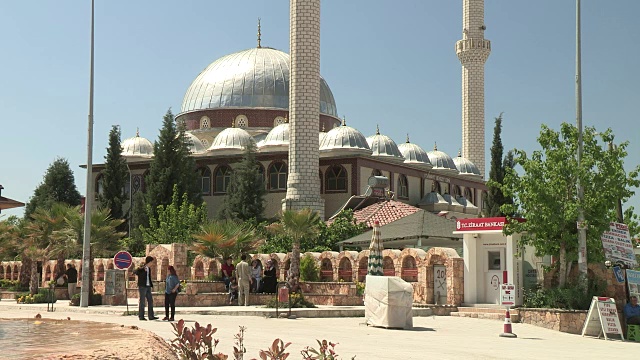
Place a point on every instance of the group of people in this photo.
(239, 281)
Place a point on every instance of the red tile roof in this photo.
(385, 212)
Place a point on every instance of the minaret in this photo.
(303, 183)
(473, 51)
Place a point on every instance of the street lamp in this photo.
(581, 225)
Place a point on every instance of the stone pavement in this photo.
(443, 337)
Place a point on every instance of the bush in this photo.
(309, 270)
(570, 297)
(41, 297)
(297, 301)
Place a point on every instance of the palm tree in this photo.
(297, 225)
(225, 238)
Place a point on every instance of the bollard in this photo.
(507, 332)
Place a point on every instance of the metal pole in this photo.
(88, 203)
(582, 230)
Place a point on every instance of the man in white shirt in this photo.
(145, 286)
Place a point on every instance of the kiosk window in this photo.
(494, 260)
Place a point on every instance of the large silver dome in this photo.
(254, 78)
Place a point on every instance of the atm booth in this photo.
(490, 259)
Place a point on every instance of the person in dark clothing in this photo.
(72, 279)
(227, 271)
(171, 293)
(145, 286)
(269, 280)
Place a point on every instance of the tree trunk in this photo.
(25, 272)
(562, 272)
(33, 284)
(59, 270)
(294, 269)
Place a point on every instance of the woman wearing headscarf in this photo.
(171, 293)
(269, 281)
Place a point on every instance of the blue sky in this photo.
(387, 62)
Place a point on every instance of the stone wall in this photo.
(569, 321)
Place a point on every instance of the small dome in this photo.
(195, 145)
(321, 136)
(137, 147)
(414, 154)
(383, 146)
(232, 138)
(278, 136)
(441, 161)
(465, 166)
(344, 138)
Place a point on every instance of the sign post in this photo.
(507, 299)
(123, 260)
(602, 319)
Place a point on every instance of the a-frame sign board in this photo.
(602, 319)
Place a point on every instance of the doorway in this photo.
(494, 266)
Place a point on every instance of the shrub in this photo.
(309, 270)
(570, 297)
(41, 297)
(297, 301)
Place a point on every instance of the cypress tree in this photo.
(507, 165)
(495, 198)
(245, 194)
(114, 176)
(58, 185)
(171, 165)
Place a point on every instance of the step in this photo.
(464, 309)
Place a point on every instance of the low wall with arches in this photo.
(436, 275)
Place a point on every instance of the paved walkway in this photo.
(443, 337)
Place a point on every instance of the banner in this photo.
(602, 319)
(617, 244)
(633, 281)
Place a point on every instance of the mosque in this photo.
(246, 97)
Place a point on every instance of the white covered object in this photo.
(388, 302)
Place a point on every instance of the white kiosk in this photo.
(490, 259)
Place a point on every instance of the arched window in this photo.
(376, 172)
(468, 195)
(205, 180)
(321, 185)
(205, 123)
(222, 179)
(278, 120)
(403, 187)
(262, 174)
(126, 189)
(455, 191)
(145, 176)
(242, 121)
(336, 178)
(435, 187)
(278, 176)
(99, 186)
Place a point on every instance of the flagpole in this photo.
(88, 203)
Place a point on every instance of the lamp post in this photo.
(582, 229)
(88, 204)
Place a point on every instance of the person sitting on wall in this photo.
(632, 311)
(227, 271)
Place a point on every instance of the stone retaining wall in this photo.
(569, 321)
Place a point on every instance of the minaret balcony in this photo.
(473, 49)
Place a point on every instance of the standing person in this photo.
(269, 281)
(171, 293)
(227, 272)
(72, 279)
(243, 276)
(256, 276)
(145, 285)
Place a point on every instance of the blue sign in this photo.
(617, 271)
(122, 260)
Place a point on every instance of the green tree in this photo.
(58, 185)
(114, 176)
(224, 238)
(495, 198)
(297, 225)
(172, 166)
(507, 166)
(545, 194)
(631, 219)
(175, 222)
(135, 242)
(244, 200)
(343, 227)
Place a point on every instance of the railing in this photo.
(326, 274)
(389, 272)
(410, 274)
(346, 274)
